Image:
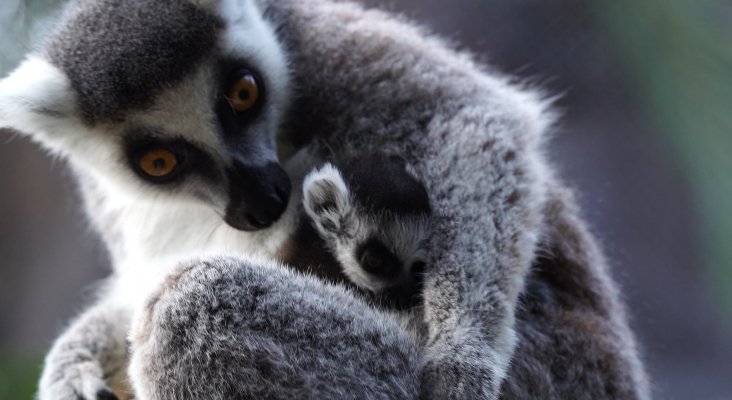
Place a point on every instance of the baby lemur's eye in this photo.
(244, 92)
(418, 267)
(378, 260)
(158, 163)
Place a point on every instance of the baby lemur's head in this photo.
(374, 217)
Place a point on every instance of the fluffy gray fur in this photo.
(169, 38)
(233, 328)
(364, 81)
(210, 316)
(475, 141)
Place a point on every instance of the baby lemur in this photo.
(363, 223)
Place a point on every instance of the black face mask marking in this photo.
(234, 122)
(378, 260)
(258, 195)
(119, 54)
(189, 159)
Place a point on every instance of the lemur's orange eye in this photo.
(244, 93)
(158, 163)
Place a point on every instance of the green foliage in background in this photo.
(680, 53)
(18, 378)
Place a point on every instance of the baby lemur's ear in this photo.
(37, 100)
(324, 190)
(326, 198)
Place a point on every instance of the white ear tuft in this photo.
(34, 98)
(325, 192)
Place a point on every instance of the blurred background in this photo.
(646, 140)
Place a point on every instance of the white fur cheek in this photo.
(138, 279)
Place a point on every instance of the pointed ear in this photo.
(37, 100)
(325, 193)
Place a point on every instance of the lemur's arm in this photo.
(483, 171)
(88, 357)
(488, 200)
(482, 166)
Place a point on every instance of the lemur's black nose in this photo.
(258, 196)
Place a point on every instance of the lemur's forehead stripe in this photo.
(118, 54)
(382, 183)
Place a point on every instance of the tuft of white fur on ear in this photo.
(35, 99)
(325, 194)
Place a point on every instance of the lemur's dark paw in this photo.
(326, 198)
(106, 394)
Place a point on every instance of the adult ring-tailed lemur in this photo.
(172, 114)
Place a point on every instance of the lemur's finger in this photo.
(106, 394)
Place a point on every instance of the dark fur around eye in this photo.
(190, 158)
(232, 121)
(378, 260)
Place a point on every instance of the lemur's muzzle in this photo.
(258, 196)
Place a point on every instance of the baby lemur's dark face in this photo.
(383, 191)
(373, 218)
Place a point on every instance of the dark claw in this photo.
(105, 394)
